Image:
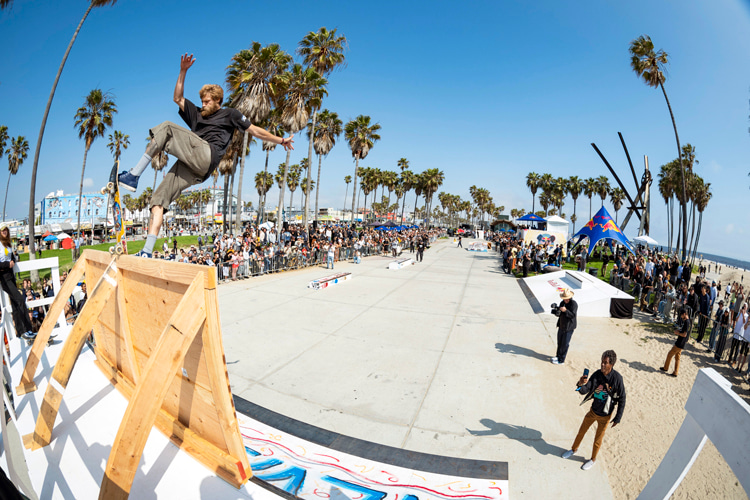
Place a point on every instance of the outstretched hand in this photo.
(288, 143)
(186, 61)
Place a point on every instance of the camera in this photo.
(555, 309)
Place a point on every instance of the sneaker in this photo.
(555, 361)
(588, 464)
(568, 454)
(142, 253)
(28, 335)
(128, 181)
(662, 368)
(672, 375)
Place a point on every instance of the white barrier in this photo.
(399, 263)
(50, 263)
(714, 412)
(333, 279)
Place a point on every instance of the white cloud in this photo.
(88, 182)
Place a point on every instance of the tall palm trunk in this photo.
(354, 190)
(402, 209)
(80, 193)
(309, 177)
(317, 185)
(231, 206)
(238, 224)
(698, 235)
(224, 214)
(265, 189)
(280, 218)
(346, 193)
(683, 201)
(6, 195)
(32, 194)
(416, 199)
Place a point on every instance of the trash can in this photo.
(594, 271)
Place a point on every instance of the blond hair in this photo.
(214, 91)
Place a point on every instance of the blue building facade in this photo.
(64, 208)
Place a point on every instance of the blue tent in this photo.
(532, 217)
(602, 227)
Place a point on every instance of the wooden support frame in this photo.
(158, 340)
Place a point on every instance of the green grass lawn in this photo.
(65, 257)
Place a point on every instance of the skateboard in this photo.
(113, 189)
(50, 341)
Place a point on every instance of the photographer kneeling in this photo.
(566, 314)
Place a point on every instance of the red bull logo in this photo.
(610, 225)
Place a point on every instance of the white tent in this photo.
(557, 224)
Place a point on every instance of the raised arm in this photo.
(185, 62)
(265, 135)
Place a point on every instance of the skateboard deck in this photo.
(113, 189)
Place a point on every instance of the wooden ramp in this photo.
(156, 328)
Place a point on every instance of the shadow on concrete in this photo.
(521, 351)
(522, 434)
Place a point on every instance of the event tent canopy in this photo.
(602, 227)
(532, 217)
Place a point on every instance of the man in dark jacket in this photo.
(606, 389)
(567, 313)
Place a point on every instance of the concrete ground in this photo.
(443, 357)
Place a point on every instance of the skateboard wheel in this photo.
(104, 190)
(110, 186)
(118, 249)
(111, 250)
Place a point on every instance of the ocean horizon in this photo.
(727, 261)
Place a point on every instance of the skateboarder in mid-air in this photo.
(198, 150)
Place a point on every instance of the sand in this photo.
(655, 411)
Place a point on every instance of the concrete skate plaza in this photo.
(443, 357)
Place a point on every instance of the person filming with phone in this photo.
(606, 389)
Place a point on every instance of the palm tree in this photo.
(32, 195)
(704, 196)
(347, 180)
(325, 135)
(273, 125)
(303, 91)
(253, 77)
(590, 189)
(92, 119)
(616, 195)
(602, 187)
(408, 180)
(575, 187)
(280, 177)
(292, 182)
(532, 182)
(432, 179)
(263, 182)
(19, 149)
(361, 136)
(648, 64)
(323, 51)
(117, 142)
(667, 174)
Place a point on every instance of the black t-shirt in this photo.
(215, 129)
(682, 327)
(606, 392)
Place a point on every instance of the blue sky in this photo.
(484, 91)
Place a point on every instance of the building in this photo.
(58, 207)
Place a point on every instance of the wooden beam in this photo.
(144, 405)
(27, 378)
(124, 326)
(71, 349)
(219, 378)
(217, 460)
(177, 272)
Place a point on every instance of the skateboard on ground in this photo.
(113, 189)
(50, 341)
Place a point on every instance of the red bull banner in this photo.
(602, 227)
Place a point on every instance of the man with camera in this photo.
(566, 313)
(607, 390)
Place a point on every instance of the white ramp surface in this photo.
(592, 294)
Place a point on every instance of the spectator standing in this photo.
(566, 324)
(606, 389)
(681, 331)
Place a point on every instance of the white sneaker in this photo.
(588, 464)
(555, 361)
(568, 454)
